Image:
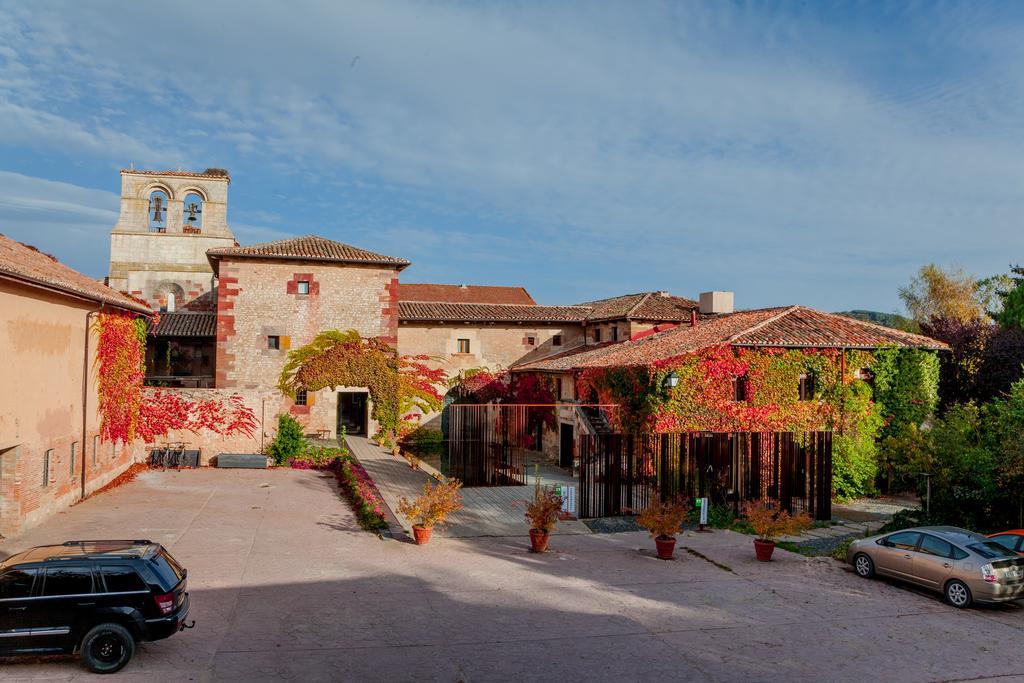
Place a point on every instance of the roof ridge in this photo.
(761, 324)
(638, 304)
(482, 303)
(884, 329)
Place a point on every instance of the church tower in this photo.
(168, 221)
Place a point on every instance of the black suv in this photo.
(96, 597)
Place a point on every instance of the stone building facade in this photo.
(168, 221)
(51, 454)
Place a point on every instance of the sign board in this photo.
(568, 496)
(702, 505)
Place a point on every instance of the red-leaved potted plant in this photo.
(542, 513)
(769, 524)
(664, 521)
(432, 507)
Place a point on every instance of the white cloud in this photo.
(686, 146)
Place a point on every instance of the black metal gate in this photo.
(620, 474)
(487, 443)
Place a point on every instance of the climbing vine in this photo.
(398, 385)
(128, 411)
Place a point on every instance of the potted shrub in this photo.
(542, 513)
(432, 507)
(663, 521)
(769, 525)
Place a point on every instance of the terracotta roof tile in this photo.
(785, 327)
(27, 263)
(409, 311)
(308, 248)
(466, 294)
(642, 306)
(209, 173)
(186, 325)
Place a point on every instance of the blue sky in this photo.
(813, 153)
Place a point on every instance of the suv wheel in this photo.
(958, 594)
(107, 648)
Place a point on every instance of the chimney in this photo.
(664, 294)
(715, 302)
(693, 317)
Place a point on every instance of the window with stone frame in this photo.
(531, 340)
(807, 387)
(302, 287)
(462, 346)
(300, 397)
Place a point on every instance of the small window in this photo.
(300, 397)
(303, 287)
(95, 447)
(615, 333)
(556, 340)
(463, 346)
(273, 342)
(739, 388)
(531, 341)
(17, 583)
(46, 466)
(806, 388)
(597, 334)
(559, 389)
(74, 456)
(68, 581)
(906, 540)
(122, 579)
(930, 545)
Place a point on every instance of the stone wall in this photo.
(257, 299)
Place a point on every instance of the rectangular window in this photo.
(806, 389)
(463, 346)
(556, 340)
(739, 385)
(597, 334)
(615, 333)
(273, 342)
(300, 397)
(74, 456)
(95, 447)
(531, 341)
(559, 384)
(46, 466)
(68, 581)
(303, 286)
(122, 579)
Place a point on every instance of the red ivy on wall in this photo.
(128, 412)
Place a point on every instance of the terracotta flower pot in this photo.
(539, 540)
(764, 549)
(422, 534)
(666, 547)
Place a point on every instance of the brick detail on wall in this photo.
(292, 286)
(227, 291)
(389, 311)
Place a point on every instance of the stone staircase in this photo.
(597, 420)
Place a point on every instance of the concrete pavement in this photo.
(285, 587)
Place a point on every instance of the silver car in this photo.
(964, 566)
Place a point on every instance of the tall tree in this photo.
(1011, 317)
(943, 293)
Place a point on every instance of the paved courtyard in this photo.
(285, 587)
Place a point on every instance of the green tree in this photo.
(906, 387)
(1003, 424)
(1012, 299)
(289, 442)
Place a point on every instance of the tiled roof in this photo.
(465, 294)
(786, 327)
(642, 306)
(308, 248)
(28, 264)
(186, 325)
(182, 174)
(455, 312)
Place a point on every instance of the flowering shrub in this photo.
(361, 492)
(315, 458)
(398, 385)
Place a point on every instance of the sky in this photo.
(795, 153)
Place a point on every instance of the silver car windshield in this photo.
(989, 550)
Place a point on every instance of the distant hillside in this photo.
(888, 319)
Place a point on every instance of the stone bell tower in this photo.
(168, 221)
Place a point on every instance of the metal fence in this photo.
(488, 443)
(620, 474)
